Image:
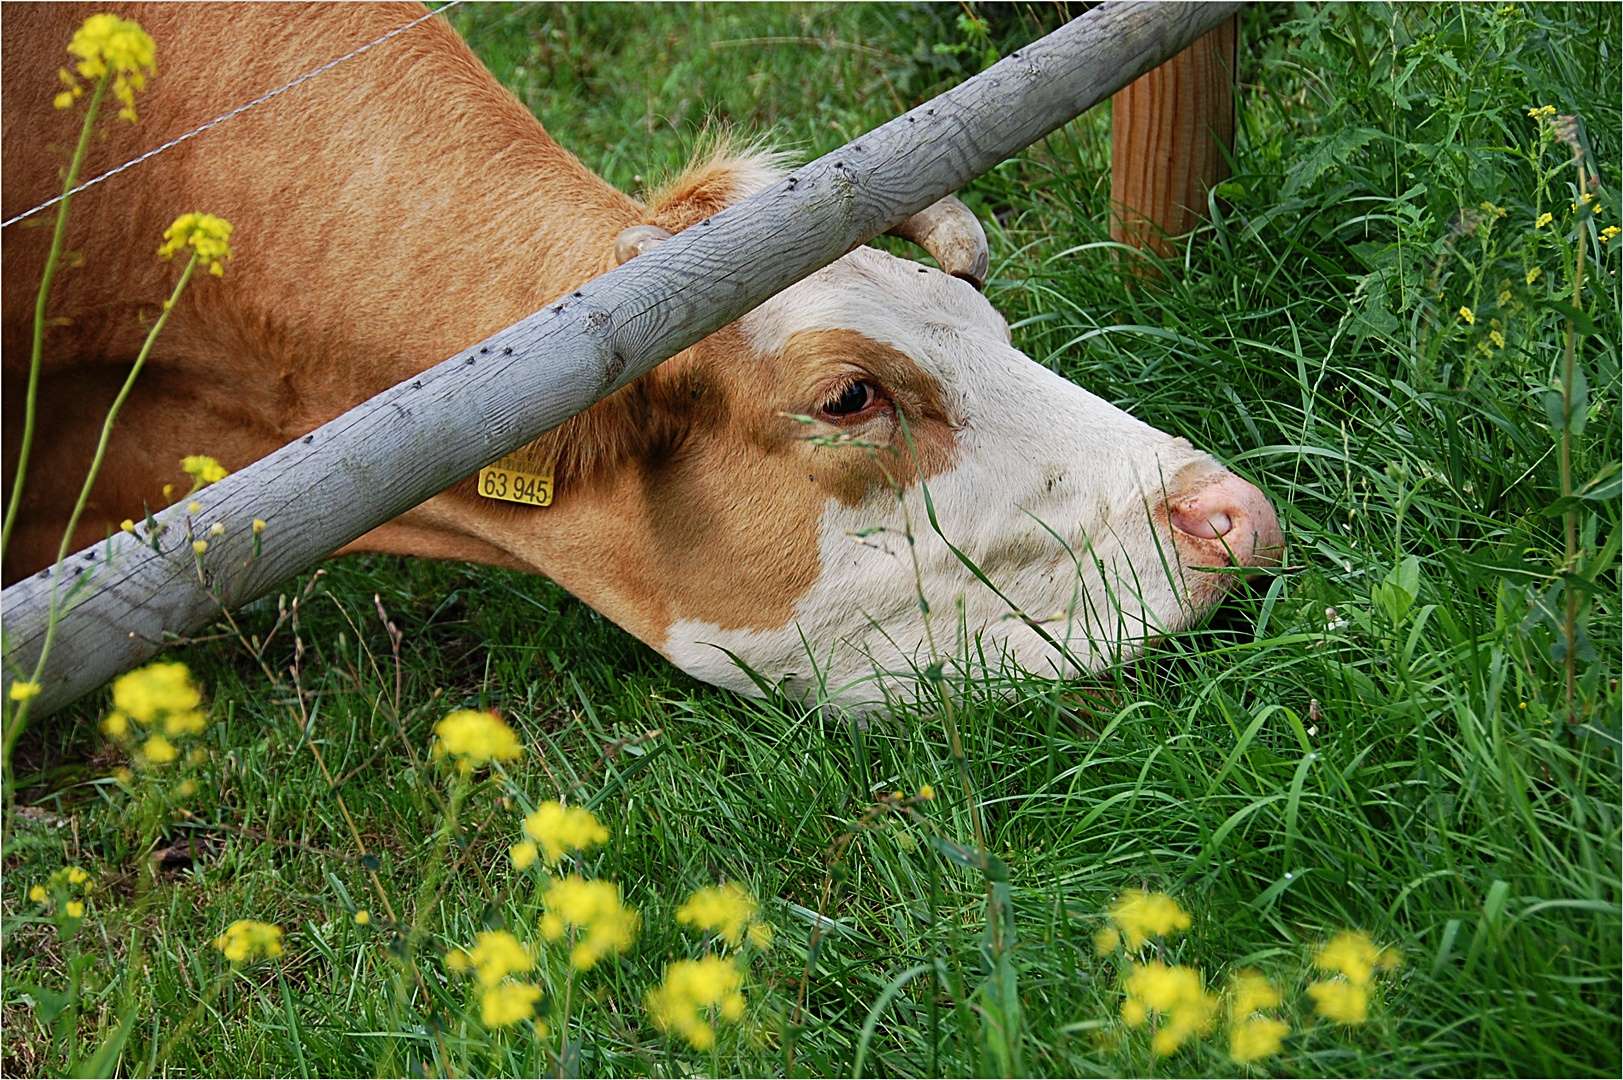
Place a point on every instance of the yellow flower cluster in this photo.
(245, 941)
(1608, 234)
(23, 690)
(557, 829)
(495, 957)
(1354, 959)
(107, 45)
(506, 1003)
(1468, 315)
(208, 236)
(1252, 1036)
(681, 1004)
(1138, 916)
(160, 696)
(1177, 999)
(1541, 112)
(65, 884)
(475, 737)
(592, 910)
(203, 470)
(728, 911)
(1176, 995)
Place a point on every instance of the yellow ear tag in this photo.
(518, 478)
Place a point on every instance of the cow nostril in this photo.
(1196, 521)
(1219, 506)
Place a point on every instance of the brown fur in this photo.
(393, 211)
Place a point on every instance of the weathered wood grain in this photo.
(392, 452)
(1169, 130)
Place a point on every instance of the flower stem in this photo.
(19, 719)
(1569, 368)
(37, 352)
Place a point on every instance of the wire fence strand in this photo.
(209, 125)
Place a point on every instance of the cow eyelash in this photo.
(853, 400)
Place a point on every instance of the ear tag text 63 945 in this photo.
(517, 478)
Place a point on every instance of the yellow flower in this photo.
(1543, 220)
(107, 45)
(127, 525)
(1532, 275)
(727, 910)
(203, 470)
(362, 917)
(559, 828)
(184, 723)
(1142, 915)
(1541, 112)
(245, 941)
(78, 875)
(1341, 1001)
(194, 507)
(1257, 1038)
(523, 854)
(158, 750)
(75, 909)
(926, 792)
(186, 789)
(1353, 954)
(22, 690)
(1177, 994)
(217, 529)
(507, 1003)
(690, 989)
(495, 955)
(1468, 315)
(1608, 234)
(199, 546)
(37, 894)
(147, 694)
(475, 737)
(592, 908)
(1106, 940)
(1497, 338)
(1249, 992)
(259, 526)
(123, 776)
(115, 725)
(209, 237)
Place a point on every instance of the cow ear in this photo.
(721, 174)
(636, 240)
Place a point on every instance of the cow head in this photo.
(864, 476)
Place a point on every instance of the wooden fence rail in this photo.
(392, 452)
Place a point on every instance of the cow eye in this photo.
(854, 399)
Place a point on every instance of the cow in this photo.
(859, 479)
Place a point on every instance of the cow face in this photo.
(864, 477)
(908, 487)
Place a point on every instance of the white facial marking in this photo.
(1041, 465)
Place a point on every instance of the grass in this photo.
(1410, 764)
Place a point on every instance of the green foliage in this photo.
(1377, 736)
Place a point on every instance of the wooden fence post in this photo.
(1170, 129)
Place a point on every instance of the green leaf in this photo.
(1333, 150)
(48, 1004)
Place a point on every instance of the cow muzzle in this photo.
(1217, 518)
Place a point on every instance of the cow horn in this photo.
(636, 240)
(952, 235)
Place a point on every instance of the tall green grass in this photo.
(1408, 763)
